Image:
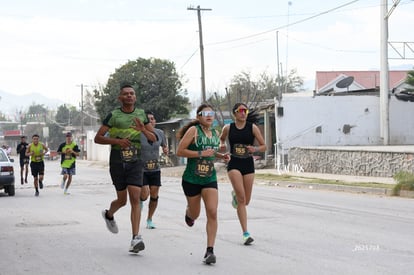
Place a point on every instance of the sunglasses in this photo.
(206, 113)
(242, 110)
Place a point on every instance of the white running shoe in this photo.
(137, 244)
(110, 224)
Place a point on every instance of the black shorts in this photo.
(126, 173)
(24, 161)
(192, 189)
(244, 165)
(37, 168)
(152, 178)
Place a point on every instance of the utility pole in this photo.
(384, 81)
(384, 71)
(200, 34)
(82, 123)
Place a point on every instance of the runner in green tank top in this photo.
(199, 144)
(36, 151)
(68, 150)
(125, 126)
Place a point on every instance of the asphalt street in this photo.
(296, 231)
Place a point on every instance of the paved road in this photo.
(296, 231)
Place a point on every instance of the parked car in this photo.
(6, 173)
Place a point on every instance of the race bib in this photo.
(129, 154)
(68, 156)
(240, 151)
(204, 168)
(151, 164)
(38, 158)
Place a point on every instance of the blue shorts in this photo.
(68, 171)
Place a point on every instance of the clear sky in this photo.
(53, 46)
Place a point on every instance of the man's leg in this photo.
(153, 203)
(134, 198)
(26, 168)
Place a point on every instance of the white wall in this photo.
(302, 115)
(96, 152)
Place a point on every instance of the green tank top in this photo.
(202, 142)
(68, 159)
(38, 152)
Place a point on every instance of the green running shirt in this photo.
(202, 142)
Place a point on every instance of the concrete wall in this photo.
(353, 161)
(342, 120)
(96, 152)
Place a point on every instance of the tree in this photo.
(293, 83)
(90, 116)
(35, 120)
(156, 83)
(67, 115)
(410, 81)
(243, 88)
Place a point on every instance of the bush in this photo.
(405, 181)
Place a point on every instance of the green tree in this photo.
(67, 115)
(410, 81)
(156, 83)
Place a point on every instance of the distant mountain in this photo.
(11, 104)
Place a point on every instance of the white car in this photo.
(6, 173)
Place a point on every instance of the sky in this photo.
(51, 47)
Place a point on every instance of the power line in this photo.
(284, 26)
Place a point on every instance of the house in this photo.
(329, 82)
(350, 116)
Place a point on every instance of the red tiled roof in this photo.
(368, 79)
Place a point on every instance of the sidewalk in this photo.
(303, 180)
(339, 178)
(221, 171)
(298, 179)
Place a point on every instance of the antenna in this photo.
(345, 83)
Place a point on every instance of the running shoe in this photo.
(40, 184)
(62, 185)
(66, 192)
(189, 221)
(234, 199)
(110, 224)
(37, 193)
(247, 239)
(150, 224)
(137, 244)
(209, 258)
